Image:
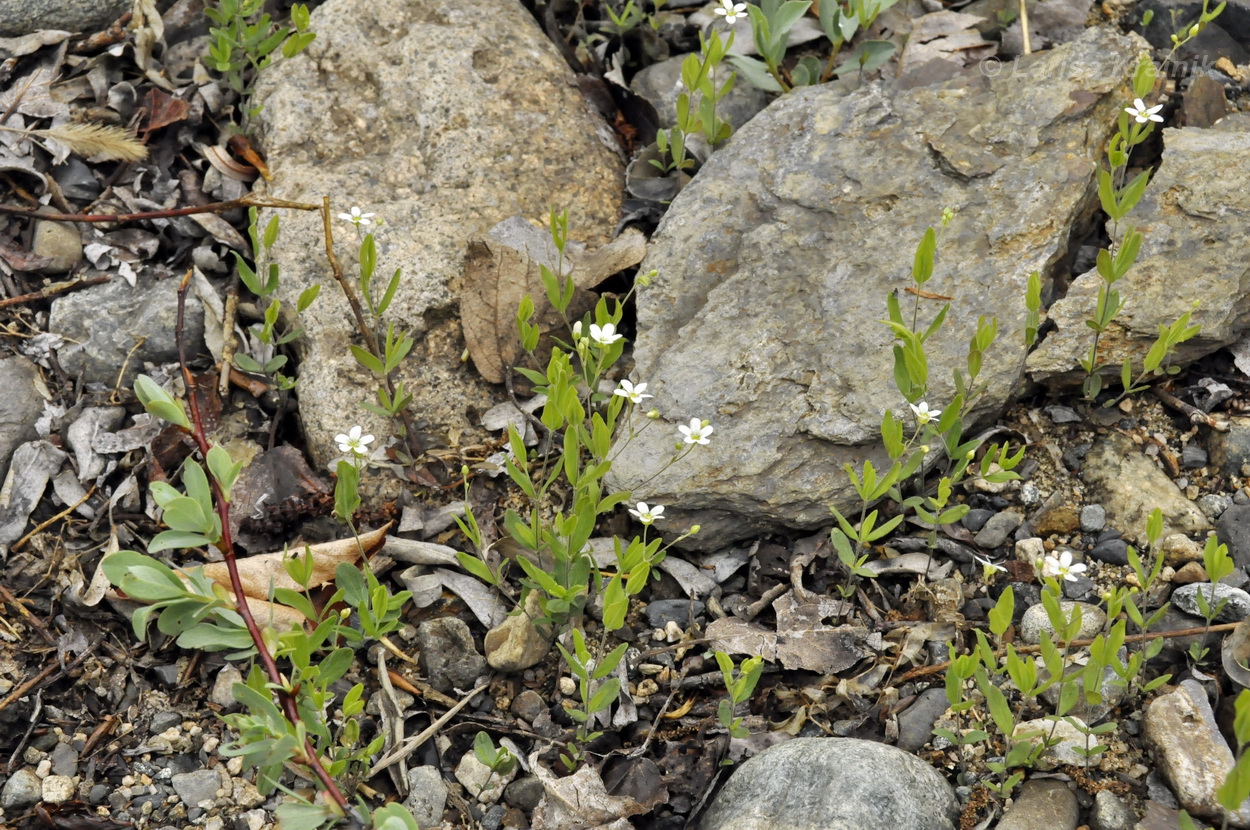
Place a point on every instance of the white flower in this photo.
(1142, 114)
(358, 218)
(354, 442)
(923, 413)
(697, 432)
(988, 567)
(577, 330)
(1062, 566)
(645, 514)
(632, 393)
(731, 11)
(604, 336)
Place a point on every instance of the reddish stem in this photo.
(226, 545)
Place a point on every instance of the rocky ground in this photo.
(773, 263)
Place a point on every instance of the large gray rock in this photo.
(775, 263)
(1193, 756)
(1195, 217)
(833, 784)
(1120, 477)
(83, 16)
(20, 406)
(109, 325)
(444, 117)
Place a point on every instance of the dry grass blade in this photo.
(105, 142)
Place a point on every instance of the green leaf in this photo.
(607, 693)
(307, 296)
(171, 539)
(477, 568)
(368, 261)
(346, 492)
(224, 470)
(367, 360)
(160, 403)
(756, 72)
(922, 264)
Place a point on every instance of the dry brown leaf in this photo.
(264, 571)
(503, 267)
(801, 640)
(162, 109)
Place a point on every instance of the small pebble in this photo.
(1213, 505)
(997, 528)
(976, 518)
(1093, 518)
(1111, 551)
(1193, 457)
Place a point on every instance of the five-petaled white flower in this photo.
(632, 393)
(731, 11)
(356, 217)
(697, 432)
(354, 442)
(988, 567)
(645, 514)
(1062, 566)
(923, 413)
(605, 335)
(1142, 114)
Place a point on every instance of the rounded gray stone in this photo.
(21, 790)
(1236, 601)
(1035, 621)
(427, 795)
(1093, 518)
(833, 784)
(1110, 813)
(448, 656)
(1044, 804)
(198, 786)
(997, 529)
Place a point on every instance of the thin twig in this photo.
(1195, 415)
(30, 618)
(45, 525)
(410, 746)
(251, 200)
(45, 293)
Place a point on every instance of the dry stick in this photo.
(226, 546)
(22, 690)
(370, 337)
(1195, 415)
(45, 525)
(45, 293)
(30, 618)
(922, 671)
(250, 200)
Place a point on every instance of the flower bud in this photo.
(645, 279)
(695, 529)
(654, 414)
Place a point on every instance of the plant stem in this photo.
(226, 546)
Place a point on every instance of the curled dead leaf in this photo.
(504, 266)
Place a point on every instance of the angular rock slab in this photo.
(444, 117)
(833, 784)
(1195, 217)
(775, 263)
